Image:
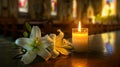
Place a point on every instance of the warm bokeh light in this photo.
(90, 11)
(93, 19)
(54, 7)
(79, 26)
(74, 8)
(23, 6)
(109, 7)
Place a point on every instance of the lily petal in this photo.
(45, 44)
(62, 51)
(45, 41)
(54, 53)
(66, 42)
(49, 38)
(29, 57)
(36, 32)
(23, 42)
(44, 53)
(61, 34)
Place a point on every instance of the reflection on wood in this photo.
(94, 58)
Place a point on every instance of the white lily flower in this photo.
(35, 45)
(59, 44)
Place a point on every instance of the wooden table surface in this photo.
(104, 51)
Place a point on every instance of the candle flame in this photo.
(79, 26)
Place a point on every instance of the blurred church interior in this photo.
(99, 16)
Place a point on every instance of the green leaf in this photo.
(25, 34)
(28, 26)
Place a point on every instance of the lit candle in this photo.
(80, 38)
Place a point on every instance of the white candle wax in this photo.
(80, 39)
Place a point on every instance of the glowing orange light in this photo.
(79, 26)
